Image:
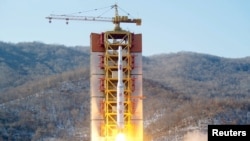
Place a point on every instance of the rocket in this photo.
(120, 92)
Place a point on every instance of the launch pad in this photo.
(116, 58)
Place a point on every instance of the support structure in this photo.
(104, 79)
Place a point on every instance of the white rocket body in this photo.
(120, 92)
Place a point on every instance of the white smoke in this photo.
(195, 136)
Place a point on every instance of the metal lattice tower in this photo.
(104, 68)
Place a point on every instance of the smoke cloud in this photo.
(195, 136)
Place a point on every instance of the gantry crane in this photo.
(116, 19)
(104, 79)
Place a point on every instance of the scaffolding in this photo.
(104, 79)
(112, 40)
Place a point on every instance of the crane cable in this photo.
(105, 12)
(101, 8)
(125, 12)
(87, 11)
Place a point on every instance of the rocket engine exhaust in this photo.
(120, 93)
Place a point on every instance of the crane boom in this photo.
(80, 18)
(116, 19)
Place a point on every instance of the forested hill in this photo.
(199, 74)
(27, 61)
(44, 92)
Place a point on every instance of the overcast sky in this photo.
(216, 27)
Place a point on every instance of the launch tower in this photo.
(104, 79)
